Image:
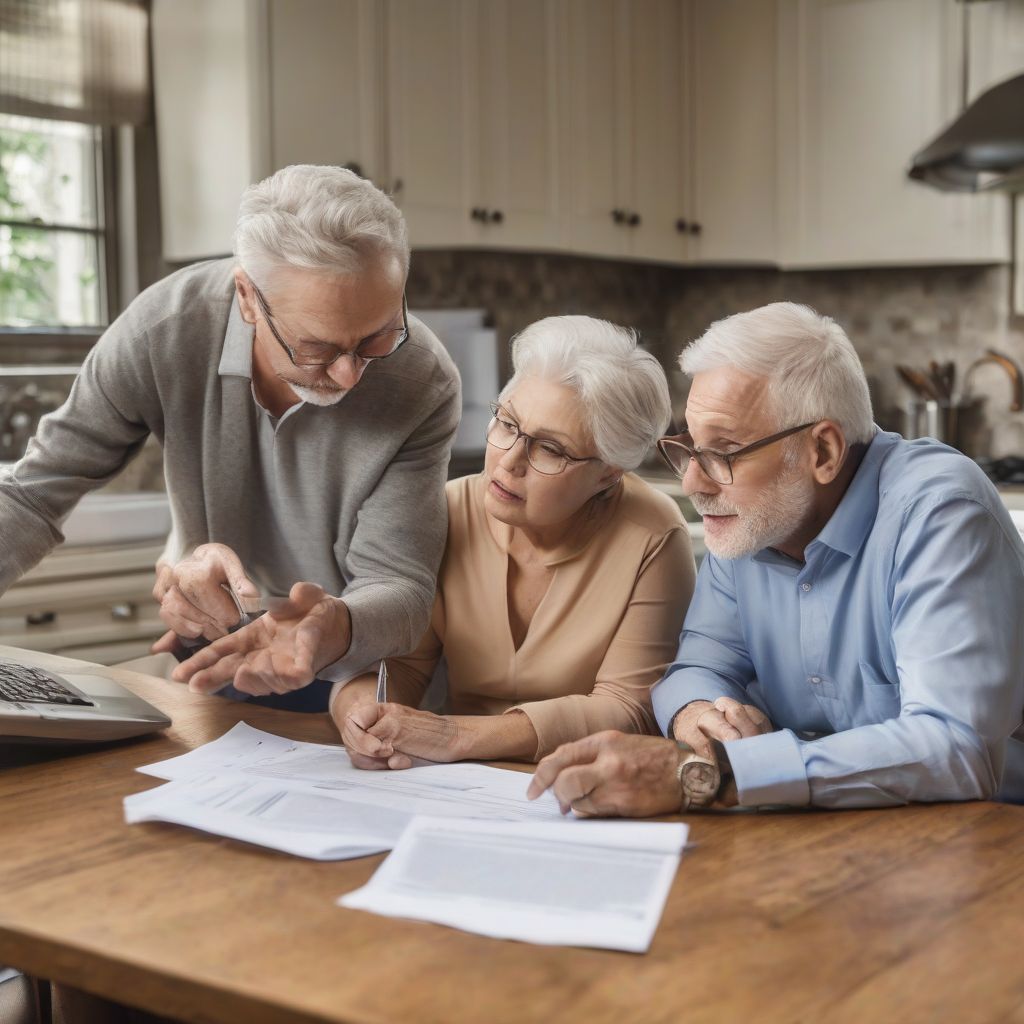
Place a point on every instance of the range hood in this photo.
(983, 149)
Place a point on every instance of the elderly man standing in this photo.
(855, 638)
(306, 424)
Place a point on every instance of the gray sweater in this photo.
(349, 496)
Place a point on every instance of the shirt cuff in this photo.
(769, 770)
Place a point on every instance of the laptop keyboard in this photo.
(24, 684)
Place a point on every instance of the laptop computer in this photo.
(38, 705)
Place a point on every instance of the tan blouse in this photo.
(602, 635)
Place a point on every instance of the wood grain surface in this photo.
(913, 914)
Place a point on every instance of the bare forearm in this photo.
(508, 737)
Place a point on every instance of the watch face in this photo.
(701, 781)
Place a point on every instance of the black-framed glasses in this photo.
(314, 355)
(679, 449)
(546, 456)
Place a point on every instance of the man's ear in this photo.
(830, 450)
(246, 297)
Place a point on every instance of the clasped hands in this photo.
(611, 774)
(389, 735)
(279, 652)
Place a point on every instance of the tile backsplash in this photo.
(892, 315)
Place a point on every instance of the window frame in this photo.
(105, 155)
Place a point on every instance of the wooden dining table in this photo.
(899, 915)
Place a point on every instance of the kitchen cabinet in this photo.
(245, 87)
(471, 121)
(863, 84)
(624, 172)
(731, 214)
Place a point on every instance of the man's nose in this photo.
(346, 371)
(696, 481)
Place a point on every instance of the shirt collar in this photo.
(850, 524)
(236, 355)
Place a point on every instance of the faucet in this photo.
(1012, 371)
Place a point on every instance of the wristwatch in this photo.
(701, 780)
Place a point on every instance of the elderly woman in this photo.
(565, 578)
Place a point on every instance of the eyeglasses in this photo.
(319, 354)
(679, 449)
(547, 457)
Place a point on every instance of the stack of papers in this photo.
(307, 798)
(470, 850)
(595, 883)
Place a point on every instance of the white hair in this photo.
(622, 389)
(812, 370)
(324, 219)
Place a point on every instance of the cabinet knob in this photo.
(633, 220)
(124, 612)
(496, 216)
(478, 213)
(682, 226)
(695, 228)
(619, 216)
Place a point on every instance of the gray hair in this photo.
(621, 388)
(812, 369)
(324, 219)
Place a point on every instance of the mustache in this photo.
(711, 507)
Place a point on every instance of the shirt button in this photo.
(814, 679)
(805, 587)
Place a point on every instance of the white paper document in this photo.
(308, 799)
(583, 883)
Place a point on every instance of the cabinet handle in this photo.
(355, 167)
(619, 216)
(496, 216)
(397, 186)
(478, 213)
(124, 612)
(633, 220)
(40, 618)
(682, 226)
(695, 228)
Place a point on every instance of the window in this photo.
(53, 233)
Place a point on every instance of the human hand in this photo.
(193, 601)
(279, 652)
(726, 719)
(611, 774)
(391, 735)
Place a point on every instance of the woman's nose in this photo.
(514, 458)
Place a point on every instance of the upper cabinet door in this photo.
(866, 83)
(430, 88)
(325, 84)
(732, 59)
(595, 115)
(515, 124)
(658, 136)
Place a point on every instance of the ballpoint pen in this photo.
(382, 682)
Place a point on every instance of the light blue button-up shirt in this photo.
(891, 662)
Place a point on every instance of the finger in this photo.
(568, 754)
(165, 644)
(398, 761)
(760, 719)
(202, 589)
(211, 680)
(738, 717)
(164, 580)
(305, 596)
(575, 783)
(259, 676)
(235, 575)
(358, 741)
(208, 657)
(187, 618)
(369, 763)
(714, 725)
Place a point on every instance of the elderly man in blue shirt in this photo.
(856, 637)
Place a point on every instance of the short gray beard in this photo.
(317, 396)
(776, 516)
